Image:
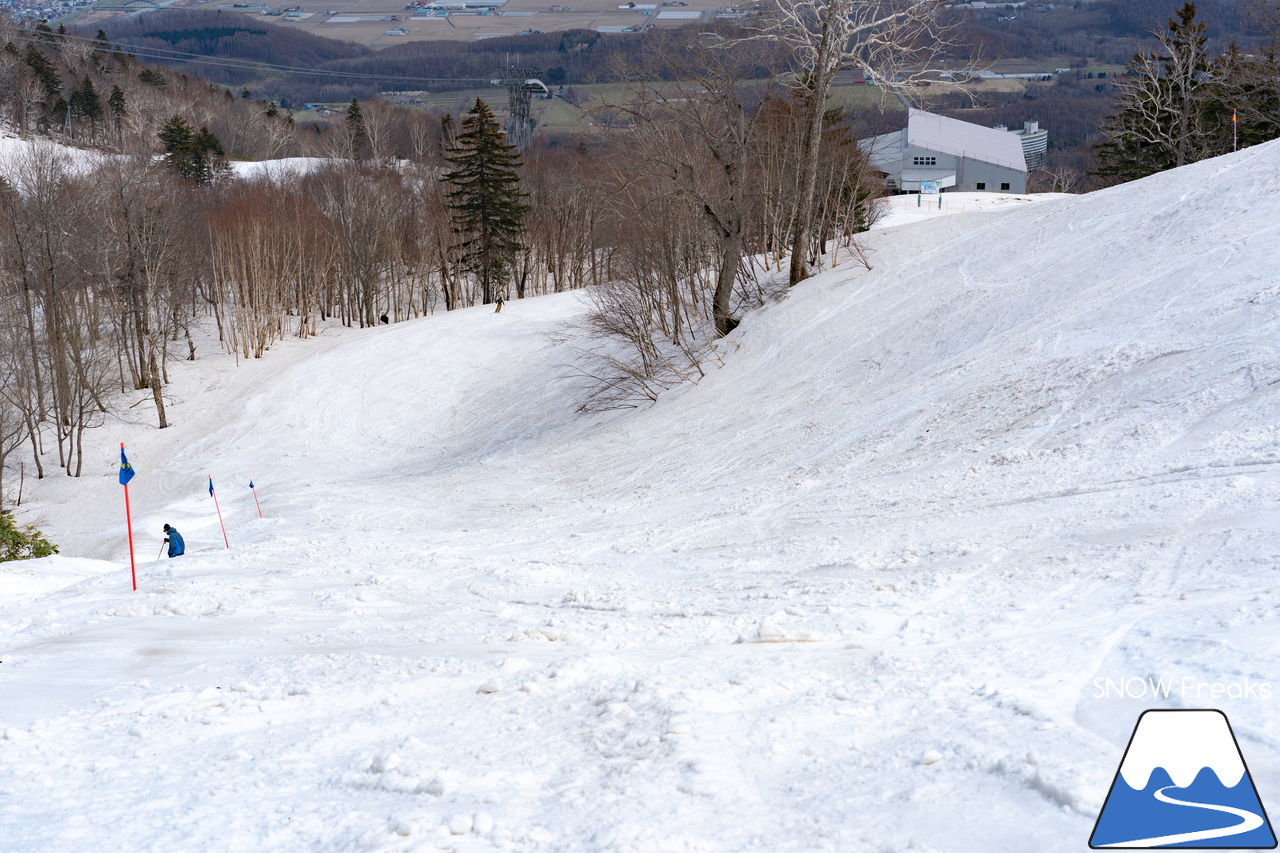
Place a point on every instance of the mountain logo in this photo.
(1183, 783)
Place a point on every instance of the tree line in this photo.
(108, 261)
(90, 92)
(729, 178)
(1183, 102)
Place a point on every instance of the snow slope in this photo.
(855, 591)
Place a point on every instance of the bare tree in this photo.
(1164, 111)
(14, 401)
(698, 131)
(891, 42)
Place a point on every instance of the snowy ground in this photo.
(850, 593)
(904, 209)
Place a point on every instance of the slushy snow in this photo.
(863, 588)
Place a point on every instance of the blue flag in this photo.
(126, 470)
(251, 484)
(210, 487)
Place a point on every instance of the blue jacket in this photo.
(176, 546)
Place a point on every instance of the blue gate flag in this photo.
(126, 470)
(211, 486)
(251, 484)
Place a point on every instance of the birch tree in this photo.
(891, 42)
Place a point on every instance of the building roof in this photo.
(946, 136)
(963, 139)
(885, 150)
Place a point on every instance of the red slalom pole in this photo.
(126, 474)
(214, 495)
(133, 569)
(255, 498)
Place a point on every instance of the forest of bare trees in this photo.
(110, 256)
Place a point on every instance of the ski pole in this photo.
(162, 544)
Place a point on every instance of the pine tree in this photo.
(116, 102)
(355, 129)
(22, 543)
(487, 203)
(85, 102)
(192, 155)
(117, 106)
(1248, 94)
(44, 70)
(1165, 109)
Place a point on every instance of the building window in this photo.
(1004, 186)
(982, 186)
(924, 161)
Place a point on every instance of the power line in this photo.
(156, 54)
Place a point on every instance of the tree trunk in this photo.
(721, 303)
(811, 152)
(153, 374)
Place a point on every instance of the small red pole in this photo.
(255, 498)
(214, 495)
(125, 476)
(129, 519)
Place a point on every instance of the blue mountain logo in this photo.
(1183, 783)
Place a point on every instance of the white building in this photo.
(949, 153)
(1035, 143)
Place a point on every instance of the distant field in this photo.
(864, 97)
(376, 17)
(560, 116)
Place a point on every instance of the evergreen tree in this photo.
(1248, 87)
(356, 132)
(115, 102)
(85, 102)
(1165, 109)
(44, 71)
(192, 155)
(487, 204)
(23, 543)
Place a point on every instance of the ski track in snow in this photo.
(854, 582)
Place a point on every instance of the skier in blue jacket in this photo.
(174, 540)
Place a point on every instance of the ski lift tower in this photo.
(521, 84)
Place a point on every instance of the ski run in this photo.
(900, 575)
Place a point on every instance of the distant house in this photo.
(1014, 69)
(949, 153)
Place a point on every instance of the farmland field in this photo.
(371, 22)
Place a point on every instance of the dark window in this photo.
(982, 186)
(1004, 186)
(924, 161)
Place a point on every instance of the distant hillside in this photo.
(344, 70)
(226, 36)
